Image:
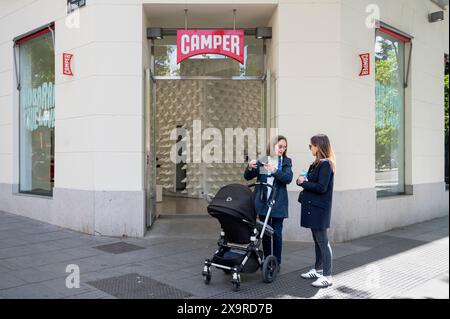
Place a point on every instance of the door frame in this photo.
(150, 112)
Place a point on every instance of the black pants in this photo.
(276, 240)
(324, 254)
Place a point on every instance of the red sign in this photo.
(224, 42)
(67, 64)
(365, 64)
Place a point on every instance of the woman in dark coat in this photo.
(278, 173)
(316, 201)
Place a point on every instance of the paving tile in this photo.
(33, 275)
(97, 294)
(9, 281)
(31, 291)
(59, 287)
(15, 252)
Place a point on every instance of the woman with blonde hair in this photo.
(316, 201)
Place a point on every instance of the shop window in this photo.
(389, 113)
(35, 66)
(165, 51)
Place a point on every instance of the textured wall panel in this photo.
(218, 104)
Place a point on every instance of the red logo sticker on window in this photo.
(365, 64)
(67, 64)
(229, 43)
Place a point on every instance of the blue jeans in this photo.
(324, 254)
(276, 240)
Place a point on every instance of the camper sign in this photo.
(229, 43)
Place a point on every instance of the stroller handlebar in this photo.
(271, 199)
(259, 183)
(210, 197)
(270, 202)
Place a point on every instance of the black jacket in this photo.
(282, 177)
(316, 197)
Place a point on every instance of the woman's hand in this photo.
(252, 164)
(270, 167)
(300, 180)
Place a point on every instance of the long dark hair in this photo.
(273, 142)
(325, 151)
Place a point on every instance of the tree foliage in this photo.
(389, 103)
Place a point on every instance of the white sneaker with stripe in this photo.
(322, 282)
(312, 274)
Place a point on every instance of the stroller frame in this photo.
(269, 265)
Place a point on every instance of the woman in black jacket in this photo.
(280, 175)
(316, 201)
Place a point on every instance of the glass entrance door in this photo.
(203, 95)
(150, 148)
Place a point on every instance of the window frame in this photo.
(403, 38)
(36, 33)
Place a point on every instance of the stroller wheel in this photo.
(270, 269)
(236, 285)
(206, 279)
(236, 281)
(206, 275)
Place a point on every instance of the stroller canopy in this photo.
(234, 200)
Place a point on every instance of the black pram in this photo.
(241, 235)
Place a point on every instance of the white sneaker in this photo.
(312, 274)
(322, 282)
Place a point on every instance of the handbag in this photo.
(300, 197)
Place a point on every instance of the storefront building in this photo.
(92, 100)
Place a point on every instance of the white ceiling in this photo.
(209, 16)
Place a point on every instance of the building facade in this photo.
(85, 144)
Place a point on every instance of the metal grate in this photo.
(135, 286)
(118, 248)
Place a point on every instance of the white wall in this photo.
(425, 95)
(306, 60)
(316, 49)
(316, 45)
(99, 116)
(99, 113)
(105, 93)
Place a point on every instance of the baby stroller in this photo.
(241, 235)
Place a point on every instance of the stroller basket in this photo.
(233, 258)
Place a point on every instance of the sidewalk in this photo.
(411, 262)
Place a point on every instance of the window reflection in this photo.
(37, 116)
(389, 122)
